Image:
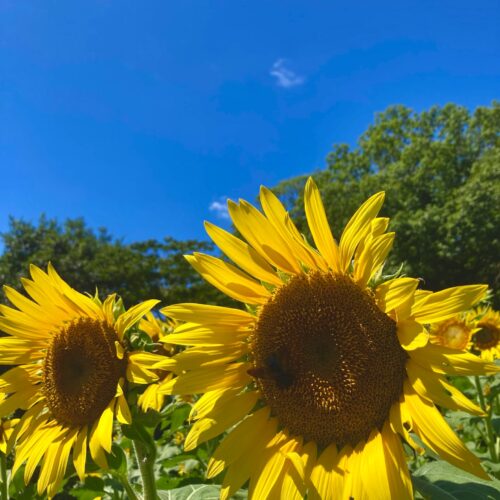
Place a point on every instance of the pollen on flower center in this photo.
(453, 334)
(327, 359)
(81, 371)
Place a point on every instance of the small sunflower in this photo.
(73, 362)
(486, 339)
(328, 369)
(156, 329)
(455, 333)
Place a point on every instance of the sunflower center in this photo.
(454, 334)
(81, 371)
(327, 360)
(487, 337)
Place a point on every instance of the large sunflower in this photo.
(73, 362)
(329, 369)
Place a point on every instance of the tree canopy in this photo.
(88, 259)
(440, 170)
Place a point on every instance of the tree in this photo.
(441, 171)
(90, 260)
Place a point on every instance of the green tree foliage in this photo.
(441, 173)
(88, 259)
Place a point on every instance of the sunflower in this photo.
(156, 329)
(455, 333)
(72, 361)
(328, 369)
(486, 339)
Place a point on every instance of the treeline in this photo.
(88, 258)
(440, 169)
(441, 173)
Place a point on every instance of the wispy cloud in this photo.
(285, 77)
(219, 208)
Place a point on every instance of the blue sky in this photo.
(144, 116)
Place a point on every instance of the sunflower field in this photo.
(342, 341)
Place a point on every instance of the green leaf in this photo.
(197, 492)
(90, 489)
(117, 459)
(441, 481)
(179, 416)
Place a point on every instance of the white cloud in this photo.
(285, 77)
(219, 208)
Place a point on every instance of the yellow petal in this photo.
(445, 304)
(435, 389)
(211, 401)
(236, 443)
(451, 361)
(19, 400)
(204, 357)
(138, 374)
(34, 448)
(382, 477)
(437, 435)
(353, 482)
(80, 452)
(319, 226)
(105, 426)
(122, 410)
(273, 468)
(292, 487)
(243, 255)
(31, 309)
(108, 308)
(203, 313)
(129, 318)
(17, 351)
(412, 335)
(55, 463)
(221, 420)
(262, 236)
(234, 375)
(150, 398)
(372, 258)
(398, 474)
(326, 476)
(239, 471)
(393, 293)
(229, 279)
(146, 359)
(401, 423)
(281, 221)
(355, 228)
(206, 335)
(96, 449)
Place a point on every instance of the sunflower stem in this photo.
(123, 479)
(3, 474)
(146, 460)
(487, 420)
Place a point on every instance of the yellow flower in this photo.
(325, 373)
(486, 339)
(454, 333)
(73, 363)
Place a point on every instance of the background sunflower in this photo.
(73, 363)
